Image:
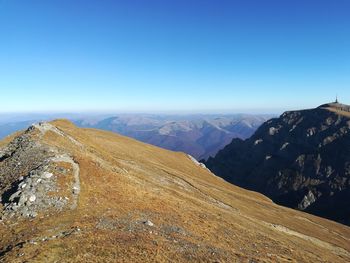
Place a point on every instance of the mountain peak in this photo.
(300, 160)
(336, 106)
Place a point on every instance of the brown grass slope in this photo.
(197, 216)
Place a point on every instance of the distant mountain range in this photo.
(11, 127)
(198, 135)
(300, 160)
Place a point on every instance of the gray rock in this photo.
(307, 201)
(32, 198)
(148, 223)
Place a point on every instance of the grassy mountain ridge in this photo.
(140, 203)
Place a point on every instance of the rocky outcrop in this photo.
(35, 177)
(300, 160)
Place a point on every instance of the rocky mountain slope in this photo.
(83, 195)
(300, 160)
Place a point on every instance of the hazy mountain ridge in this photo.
(198, 135)
(301, 160)
(11, 127)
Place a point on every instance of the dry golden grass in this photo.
(197, 216)
(340, 112)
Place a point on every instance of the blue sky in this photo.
(173, 56)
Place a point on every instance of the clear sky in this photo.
(173, 55)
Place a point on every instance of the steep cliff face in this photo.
(85, 195)
(300, 160)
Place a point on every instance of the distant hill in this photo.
(70, 194)
(300, 160)
(11, 127)
(198, 135)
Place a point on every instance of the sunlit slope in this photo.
(140, 203)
